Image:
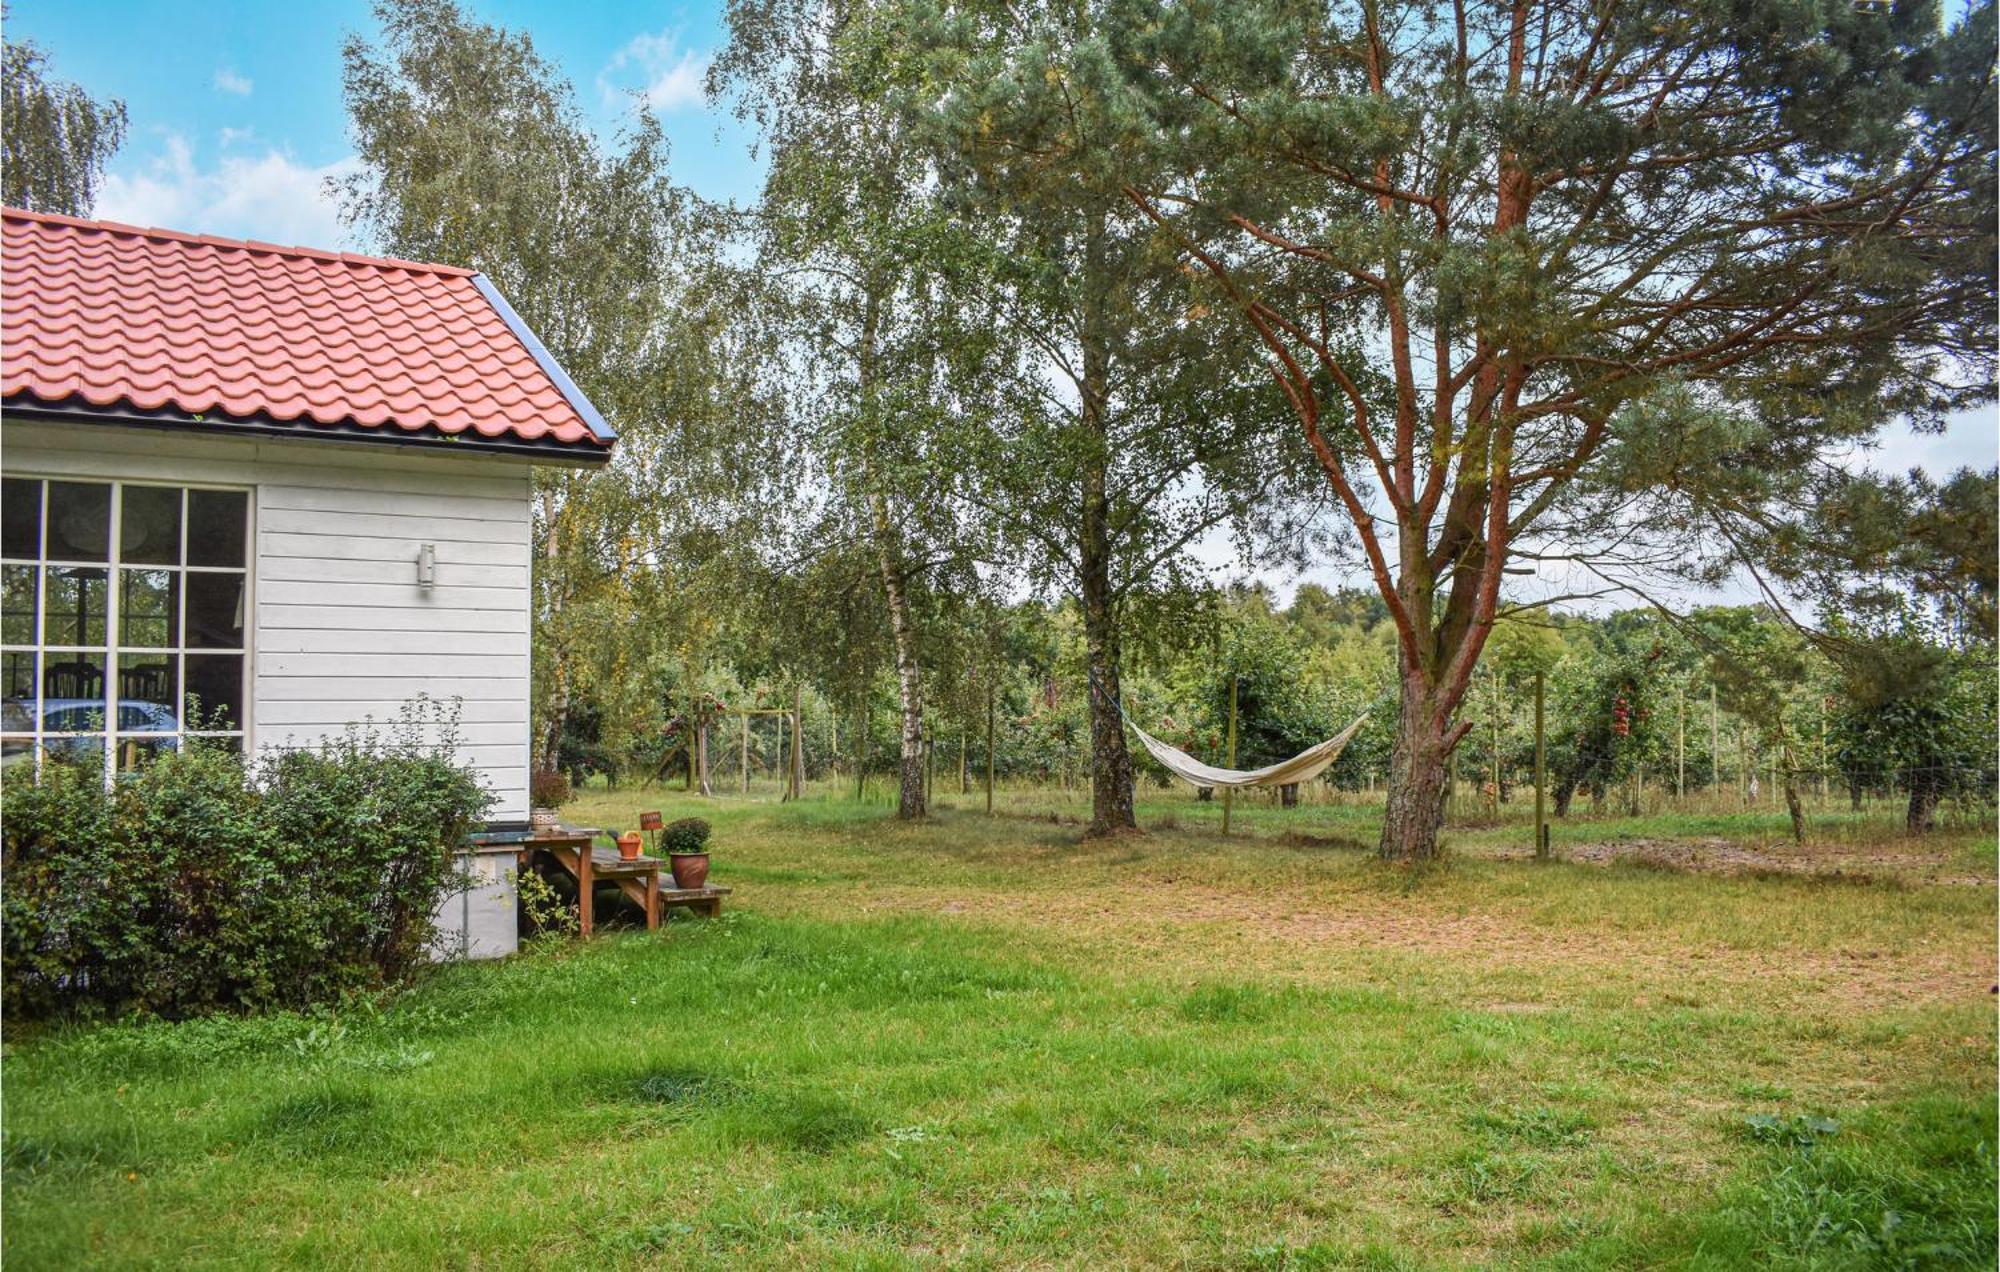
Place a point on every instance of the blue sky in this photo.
(237, 120)
(236, 112)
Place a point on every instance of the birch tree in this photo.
(849, 230)
(57, 136)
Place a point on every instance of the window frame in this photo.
(111, 736)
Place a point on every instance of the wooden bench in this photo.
(639, 879)
(706, 901)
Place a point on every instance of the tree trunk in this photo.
(1110, 763)
(1288, 795)
(1419, 770)
(909, 679)
(557, 703)
(701, 754)
(1789, 779)
(910, 803)
(1925, 792)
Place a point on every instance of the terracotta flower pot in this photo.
(628, 845)
(690, 869)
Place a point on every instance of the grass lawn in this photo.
(982, 1043)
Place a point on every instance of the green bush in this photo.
(689, 834)
(195, 884)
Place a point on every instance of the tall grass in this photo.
(984, 1043)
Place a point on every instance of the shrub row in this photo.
(202, 882)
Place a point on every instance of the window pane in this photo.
(217, 521)
(215, 611)
(72, 693)
(215, 691)
(17, 604)
(22, 701)
(149, 525)
(20, 517)
(137, 753)
(77, 613)
(16, 751)
(79, 521)
(149, 608)
(146, 693)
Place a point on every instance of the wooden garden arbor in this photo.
(791, 747)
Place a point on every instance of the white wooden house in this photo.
(293, 485)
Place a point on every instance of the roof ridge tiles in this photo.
(240, 245)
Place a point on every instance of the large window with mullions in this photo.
(122, 620)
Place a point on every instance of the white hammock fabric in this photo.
(1303, 767)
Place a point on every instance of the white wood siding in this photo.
(340, 631)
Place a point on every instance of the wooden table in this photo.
(573, 849)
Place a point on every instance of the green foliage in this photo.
(548, 912)
(1800, 1130)
(1278, 712)
(1912, 1190)
(473, 150)
(687, 835)
(57, 136)
(1917, 717)
(1524, 290)
(189, 887)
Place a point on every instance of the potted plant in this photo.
(687, 850)
(629, 844)
(548, 790)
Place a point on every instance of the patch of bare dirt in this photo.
(1724, 857)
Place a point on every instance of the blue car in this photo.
(82, 715)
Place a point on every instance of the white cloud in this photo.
(229, 81)
(670, 77)
(269, 197)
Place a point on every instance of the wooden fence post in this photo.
(1541, 774)
(861, 747)
(989, 750)
(746, 752)
(1823, 766)
(798, 774)
(1680, 742)
(1746, 773)
(1493, 679)
(1714, 746)
(689, 668)
(1229, 792)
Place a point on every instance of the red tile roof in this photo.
(112, 318)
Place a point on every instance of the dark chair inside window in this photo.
(77, 679)
(145, 684)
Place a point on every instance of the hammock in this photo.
(1303, 767)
